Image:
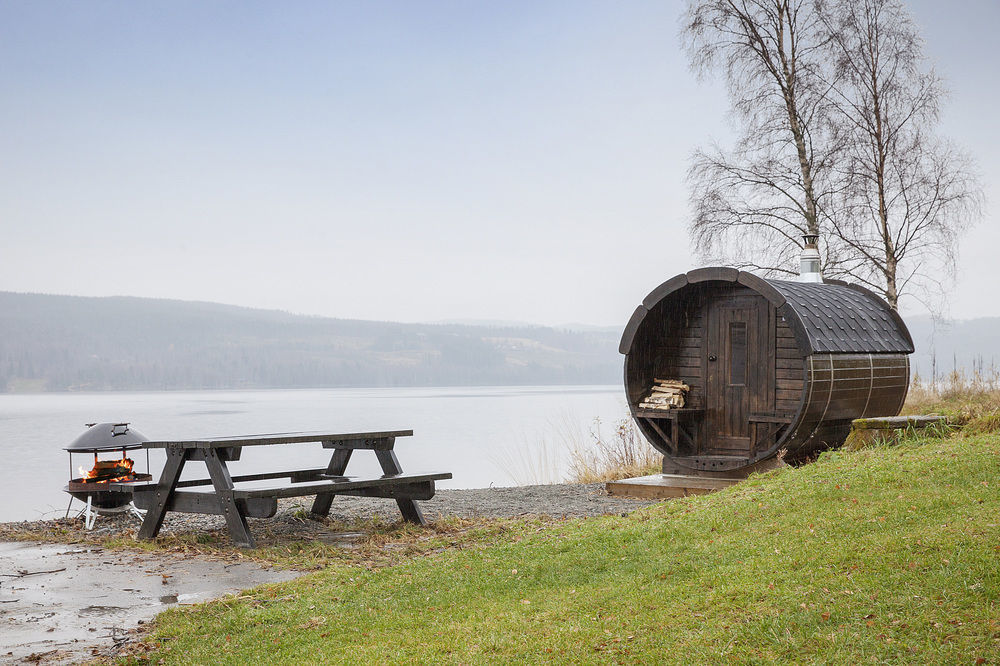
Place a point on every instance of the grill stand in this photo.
(90, 512)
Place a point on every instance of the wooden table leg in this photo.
(223, 483)
(165, 487)
(390, 466)
(337, 467)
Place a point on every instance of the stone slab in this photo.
(665, 486)
(897, 422)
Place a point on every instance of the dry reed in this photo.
(621, 455)
(970, 400)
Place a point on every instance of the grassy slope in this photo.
(881, 555)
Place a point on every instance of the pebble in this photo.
(292, 519)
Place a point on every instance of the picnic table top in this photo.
(272, 438)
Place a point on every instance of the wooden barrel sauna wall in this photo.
(771, 365)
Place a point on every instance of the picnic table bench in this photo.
(237, 504)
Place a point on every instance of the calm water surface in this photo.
(483, 435)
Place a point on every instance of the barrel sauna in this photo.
(772, 365)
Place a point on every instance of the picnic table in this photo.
(238, 504)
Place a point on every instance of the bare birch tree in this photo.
(751, 204)
(907, 195)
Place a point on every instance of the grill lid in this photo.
(107, 437)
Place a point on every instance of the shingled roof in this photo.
(843, 319)
(831, 317)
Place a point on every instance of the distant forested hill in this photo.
(62, 343)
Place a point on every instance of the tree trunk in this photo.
(791, 107)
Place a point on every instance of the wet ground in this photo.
(58, 601)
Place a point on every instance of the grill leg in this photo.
(136, 512)
(337, 467)
(90, 516)
(69, 506)
(390, 467)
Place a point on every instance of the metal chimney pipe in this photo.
(809, 270)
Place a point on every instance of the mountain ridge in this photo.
(54, 342)
(61, 342)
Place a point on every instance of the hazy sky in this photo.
(410, 161)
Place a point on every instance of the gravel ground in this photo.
(557, 501)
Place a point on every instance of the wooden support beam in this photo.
(408, 507)
(187, 501)
(336, 467)
(169, 477)
(669, 440)
(231, 510)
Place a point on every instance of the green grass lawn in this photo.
(881, 555)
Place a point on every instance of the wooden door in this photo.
(735, 362)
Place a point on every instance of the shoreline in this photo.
(71, 595)
(566, 500)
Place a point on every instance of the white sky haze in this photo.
(388, 160)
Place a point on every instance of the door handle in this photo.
(711, 357)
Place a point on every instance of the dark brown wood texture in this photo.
(844, 387)
(764, 391)
(236, 505)
(278, 438)
(739, 358)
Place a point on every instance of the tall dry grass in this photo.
(969, 399)
(609, 456)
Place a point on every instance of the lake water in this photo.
(485, 436)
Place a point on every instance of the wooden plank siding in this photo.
(790, 375)
(771, 365)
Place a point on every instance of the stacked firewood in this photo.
(666, 394)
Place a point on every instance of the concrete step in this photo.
(663, 486)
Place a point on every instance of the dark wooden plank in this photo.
(782, 329)
(668, 440)
(786, 343)
(409, 508)
(686, 341)
(683, 413)
(423, 490)
(631, 328)
(336, 487)
(681, 352)
(223, 452)
(296, 476)
(783, 384)
(770, 418)
(664, 290)
(232, 511)
(762, 287)
(275, 438)
(336, 467)
(786, 395)
(187, 501)
(169, 477)
(712, 273)
(371, 444)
